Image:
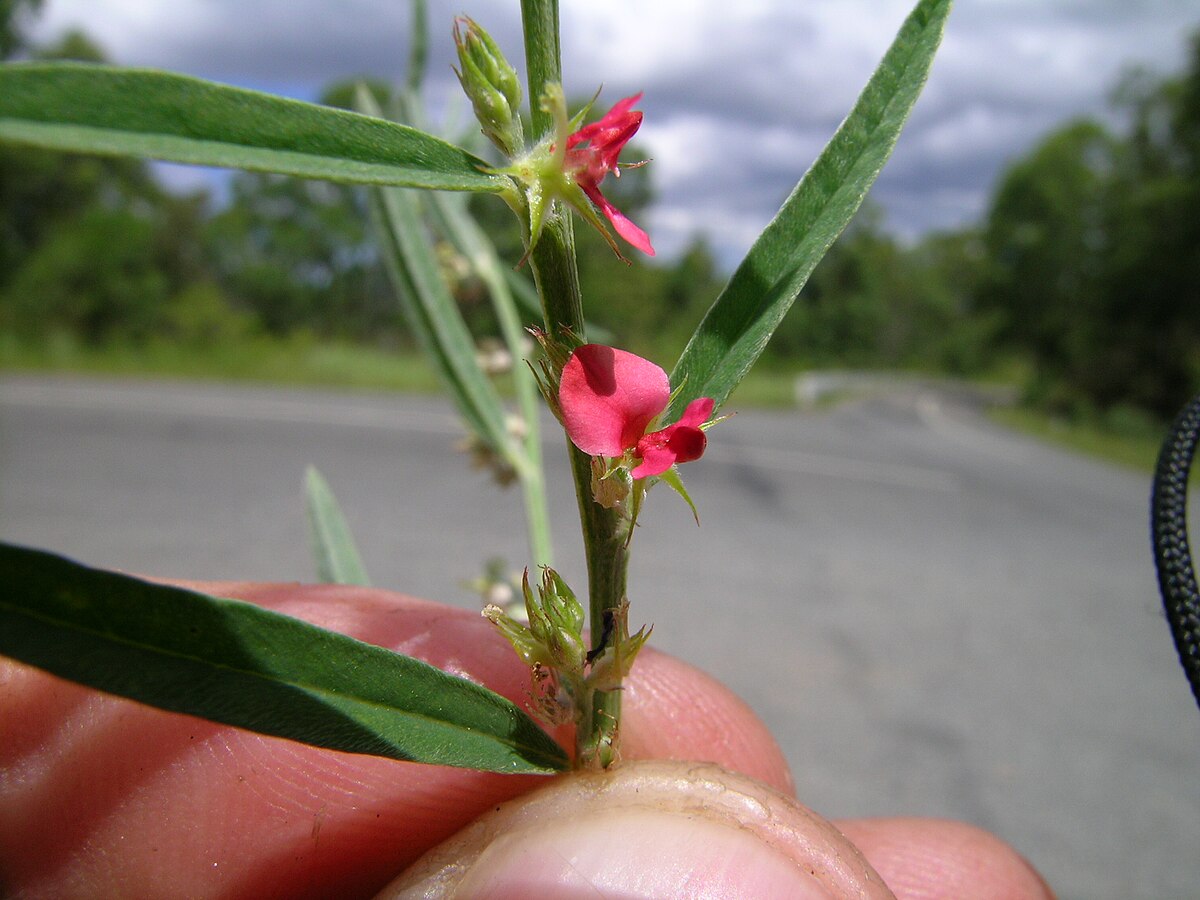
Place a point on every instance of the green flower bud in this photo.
(564, 614)
(491, 84)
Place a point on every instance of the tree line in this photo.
(1083, 276)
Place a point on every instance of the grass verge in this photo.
(1130, 444)
(296, 361)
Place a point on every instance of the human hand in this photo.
(102, 797)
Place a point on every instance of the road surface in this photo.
(934, 615)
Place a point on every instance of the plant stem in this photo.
(543, 61)
(553, 262)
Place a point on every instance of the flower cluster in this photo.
(552, 644)
(570, 165)
(566, 165)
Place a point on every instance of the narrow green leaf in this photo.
(133, 112)
(411, 261)
(333, 547)
(242, 665)
(742, 319)
(674, 482)
(457, 224)
(408, 256)
(418, 51)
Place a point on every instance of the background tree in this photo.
(1149, 349)
(14, 18)
(1045, 241)
(90, 246)
(1093, 254)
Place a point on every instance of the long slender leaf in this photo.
(437, 324)
(742, 319)
(134, 112)
(418, 51)
(241, 665)
(332, 544)
(411, 262)
(470, 240)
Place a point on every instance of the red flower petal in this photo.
(589, 165)
(698, 412)
(687, 443)
(675, 444)
(656, 459)
(678, 443)
(616, 126)
(608, 397)
(620, 222)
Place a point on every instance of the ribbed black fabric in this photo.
(1168, 527)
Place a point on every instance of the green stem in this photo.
(605, 531)
(542, 58)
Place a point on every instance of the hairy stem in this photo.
(605, 531)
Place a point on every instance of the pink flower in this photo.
(608, 399)
(592, 153)
(679, 443)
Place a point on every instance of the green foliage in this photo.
(1086, 264)
(97, 276)
(13, 14)
(199, 316)
(737, 327)
(873, 303)
(333, 546)
(296, 254)
(1094, 255)
(298, 359)
(281, 248)
(99, 109)
(1045, 239)
(239, 664)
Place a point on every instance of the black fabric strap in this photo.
(1168, 527)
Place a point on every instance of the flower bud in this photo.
(564, 613)
(491, 84)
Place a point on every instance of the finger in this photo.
(104, 797)
(671, 710)
(935, 859)
(646, 829)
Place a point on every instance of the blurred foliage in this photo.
(296, 254)
(1093, 255)
(92, 246)
(1085, 271)
(13, 17)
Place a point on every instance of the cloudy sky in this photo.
(740, 94)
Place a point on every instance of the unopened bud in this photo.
(491, 84)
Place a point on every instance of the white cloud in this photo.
(740, 96)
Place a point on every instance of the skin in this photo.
(102, 797)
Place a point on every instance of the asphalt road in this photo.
(935, 616)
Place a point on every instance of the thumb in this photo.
(646, 829)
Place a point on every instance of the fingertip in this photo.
(938, 859)
(672, 710)
(646, 829)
